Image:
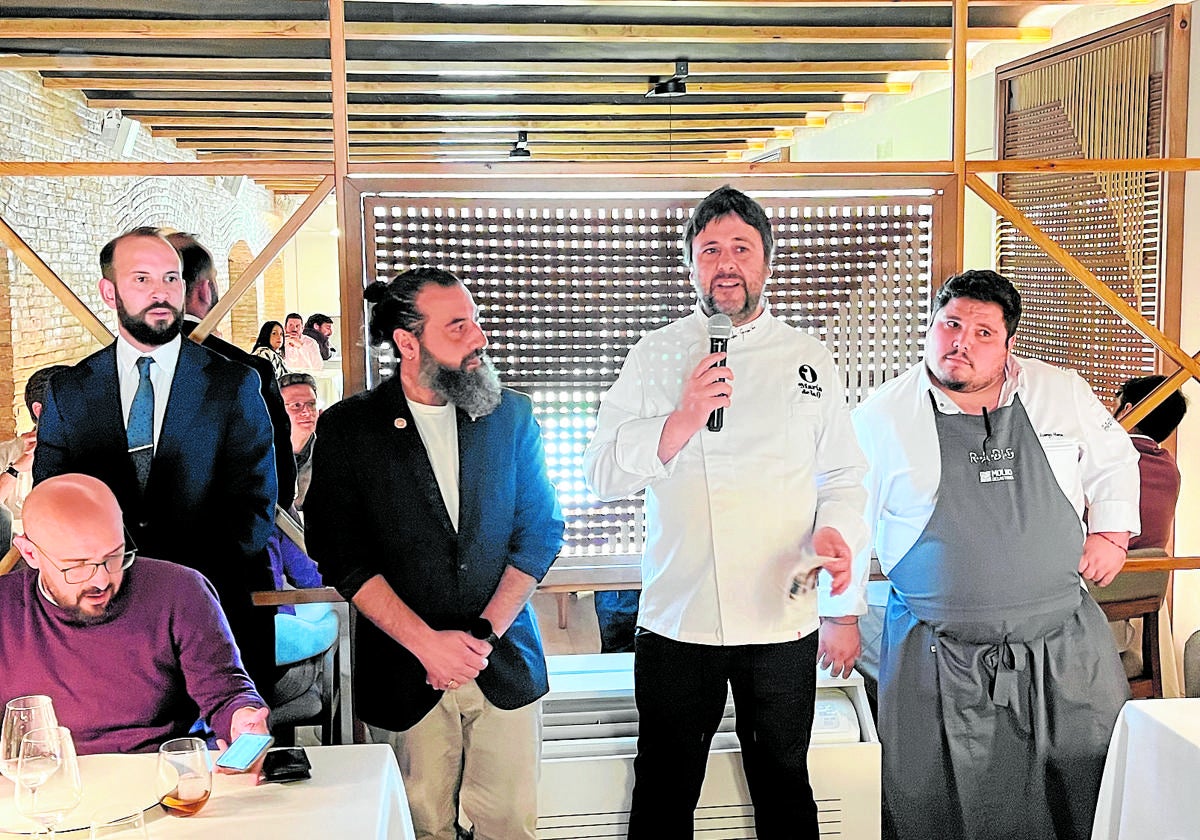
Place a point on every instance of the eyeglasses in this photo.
(297, 407)
(82, 571)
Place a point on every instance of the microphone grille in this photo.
(720, 326)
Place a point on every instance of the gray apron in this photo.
(999, 682)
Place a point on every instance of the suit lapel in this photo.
(471, 439)
(105, 403)
(183, 404)
(414, 460)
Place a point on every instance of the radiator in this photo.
(589, 740)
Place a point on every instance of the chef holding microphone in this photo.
(735, 426)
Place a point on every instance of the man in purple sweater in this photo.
(131, 653)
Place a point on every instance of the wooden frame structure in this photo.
(346, 177)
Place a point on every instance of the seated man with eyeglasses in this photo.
(132, 653)
(300, 399)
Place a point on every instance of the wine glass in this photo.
(22, 715)
(48, 784)
(184, 776)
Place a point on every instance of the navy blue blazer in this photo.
(210, 497)
(374, 508)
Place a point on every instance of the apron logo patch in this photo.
(1006, 454)
(988, 476)
(808, 382)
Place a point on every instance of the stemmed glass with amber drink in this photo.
(184, 776)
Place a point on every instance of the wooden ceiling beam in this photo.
(488, 87)
(441, 151)
(478, 69)
(283, 139)
(230, 123)
(647, 107)
(559, 33)
(544, 33)
(399, 140)
(110, 169)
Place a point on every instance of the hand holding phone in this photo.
(246, 749)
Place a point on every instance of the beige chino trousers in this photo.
(470, 763)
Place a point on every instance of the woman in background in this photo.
(270, 339)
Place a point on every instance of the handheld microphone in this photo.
(720, 329)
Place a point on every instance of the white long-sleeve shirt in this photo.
(730, 515)
(1090, 454)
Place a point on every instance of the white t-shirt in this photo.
(439, 432)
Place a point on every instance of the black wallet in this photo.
(285, 764)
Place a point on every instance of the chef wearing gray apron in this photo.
(999, 683)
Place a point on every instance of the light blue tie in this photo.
(139, 431)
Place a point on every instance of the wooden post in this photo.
(349, 281)
(959, 129)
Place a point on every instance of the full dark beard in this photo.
(477, 392)
(142, 332)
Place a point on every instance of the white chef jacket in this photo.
(730, 515)
(1089, 453)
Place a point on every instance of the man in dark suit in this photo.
(183, 439)
(430, 508)
(201, 295)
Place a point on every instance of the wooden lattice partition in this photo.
(567, 285)
(1102, 99)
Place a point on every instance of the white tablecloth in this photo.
(355, 791)
(1151, 785)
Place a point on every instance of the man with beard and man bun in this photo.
(178, 433)
(431, 510)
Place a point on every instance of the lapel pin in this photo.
(401, 423)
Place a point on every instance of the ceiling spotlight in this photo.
(674, 86)
(520, 148)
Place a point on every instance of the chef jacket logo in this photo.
(808, 382)
(988, 476)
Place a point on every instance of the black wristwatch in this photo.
(11, 470)
(481, 628)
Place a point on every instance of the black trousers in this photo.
(680, 690)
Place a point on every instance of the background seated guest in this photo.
(299, 351)
(132, 653)
(1159, 477)
(300, 399)
(269, 345)
(1159, 473)
(319, 328)
(16, 477)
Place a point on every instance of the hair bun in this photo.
(377, 291)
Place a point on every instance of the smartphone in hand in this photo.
(244, 751)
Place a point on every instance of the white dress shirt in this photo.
(1089, 453)
(732, 514)
(162, 372)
